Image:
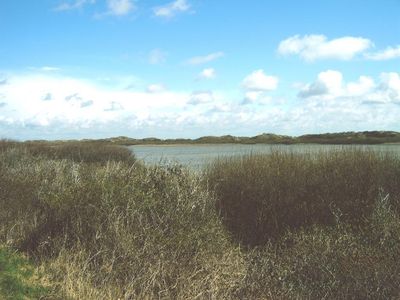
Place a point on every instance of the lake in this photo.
(197, 156)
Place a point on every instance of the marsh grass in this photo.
(279, 226)
(146, 232)
(262, 196)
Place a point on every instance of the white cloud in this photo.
(114, 106)
(316, 47)
(157, 56)
(43, 105)
(47, 97)
(201, 97)
(49, 69)
(155, 88)
(120, 7)
(77, 4)
(261, 98)
(256, 86)
(390, 87)
(171, 9)
(258, 81)
(388, 53)
(328, 83)
(198, 60)
(45, 69)
(252, 96)
(34, 98)
(363, 86)
(208, 73)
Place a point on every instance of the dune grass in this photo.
(279, 226)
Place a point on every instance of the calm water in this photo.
(197, 156)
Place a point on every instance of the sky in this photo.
(73, 69)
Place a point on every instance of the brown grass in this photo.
(326, 226)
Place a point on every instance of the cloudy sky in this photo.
(188, 68)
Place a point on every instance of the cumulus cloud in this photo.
(157, 56)
(86, 103)
(258, 81)
(171, 9)
(208, 73)
(256, 86)
(114, 106)
(3, 81)
(251, 97)
(317, 47)
(73, 97)
(327, 83)
(84, 108)
(78, 102)
(363, 86)
(155, 88)
(201, 97)
(330, 85)
(388, 53)
(71, 5)
(47, 97)
(199, 60)
(390, 87)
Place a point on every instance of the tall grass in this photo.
(262, 196)
(322, 226)
(141, 232)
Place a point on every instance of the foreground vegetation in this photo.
(99, 225)
(18, 279)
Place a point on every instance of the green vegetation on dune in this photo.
(364, 137)
(101, 225)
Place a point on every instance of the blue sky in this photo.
(187, 68)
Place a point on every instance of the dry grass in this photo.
(134, 231)
(262, 196)
(325, 226)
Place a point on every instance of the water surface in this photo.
(197, 156)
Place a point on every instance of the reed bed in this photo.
(278, 226)
(262, 196)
